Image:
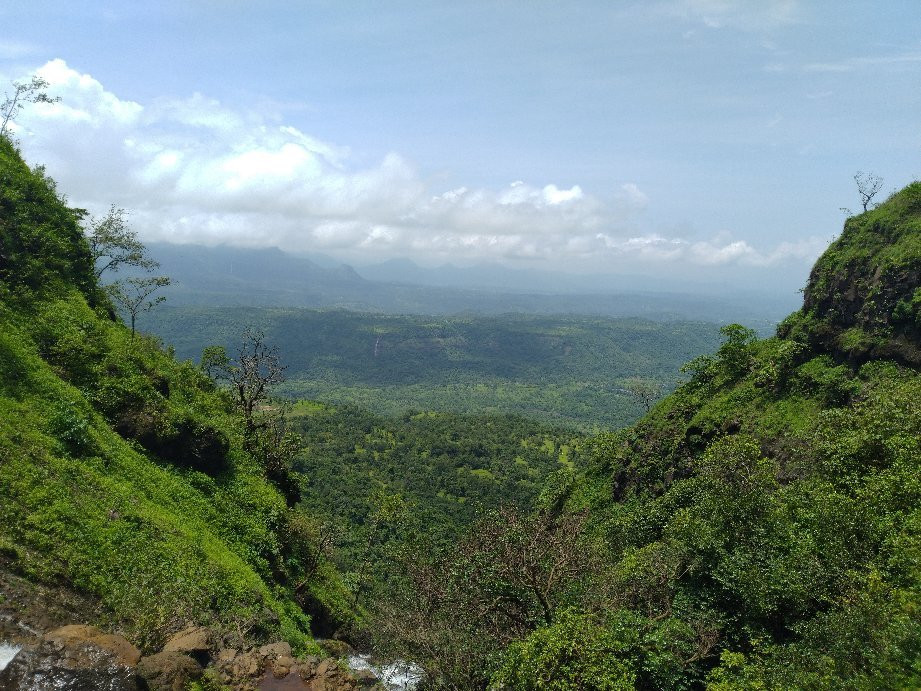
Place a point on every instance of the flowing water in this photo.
(395, 676)
(7, 652)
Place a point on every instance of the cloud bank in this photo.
(194, 170)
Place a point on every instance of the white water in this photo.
(7, 653)
(396, 676)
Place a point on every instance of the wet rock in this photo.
(76, 636)
(365, 677)
(195, 641)
(336, 648)
(273, 650)
(168, 671)
(75, 659)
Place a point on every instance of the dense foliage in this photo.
(123, 472)
(760, 528)
(566, 370)
(440, 470)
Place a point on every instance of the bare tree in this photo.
(113, 243)
(506, 578)
(644, 391)
(257, 369)
(133, 295)
(32, 91)
(868, 186)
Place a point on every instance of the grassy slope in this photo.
(194, 531)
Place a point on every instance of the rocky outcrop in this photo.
(168, 671)
(272, 666)
(863, 299)
(77, 657)
(82, 636)
(194, 641)
(74, 657)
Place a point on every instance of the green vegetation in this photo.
(563, 370)
(441, 470)
(864, 293)
(122, 471)
(759, 528)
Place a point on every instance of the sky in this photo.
(702, 139)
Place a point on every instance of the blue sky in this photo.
(704, 139)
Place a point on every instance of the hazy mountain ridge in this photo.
(268, 277)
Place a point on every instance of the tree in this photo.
(735, 352)
(214, 362)
(257, 369)
(868, 186)
(32, 91)
(113, 243)
(133, 295)
(644, 391)
(508, 576)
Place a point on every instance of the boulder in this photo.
(77, 635)
(226, 655)
(283, 666)
(336, 648)
(195, 641)
(237, 666)
(274, 650)
(73, 657)
(168, 671)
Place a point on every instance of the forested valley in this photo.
(254, 495)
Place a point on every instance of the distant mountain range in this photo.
(269, 277)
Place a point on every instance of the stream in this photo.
(7, 652)
(395, 676)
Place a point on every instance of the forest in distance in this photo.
(569, 370)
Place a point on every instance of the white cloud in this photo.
(12, 49)
(898, 60)
(195, 170)
(631, 196)
(748, 15)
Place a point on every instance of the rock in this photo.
(336, 648)
(194, 641)
(326, 668)
(168, 671)
(236, 666)
(71, 660)
(283, 666)
(273, 650)
(312, 661)
(226, 655)
(84, 635)
(365, 677)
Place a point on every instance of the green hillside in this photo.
(759, 529)
(123, 473)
